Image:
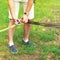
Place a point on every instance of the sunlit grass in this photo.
(38, 35)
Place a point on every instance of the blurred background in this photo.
(46, 39)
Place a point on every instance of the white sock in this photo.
(10, 44)
(25, 40)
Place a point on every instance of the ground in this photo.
(45, 39)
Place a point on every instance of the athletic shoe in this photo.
(27, 43)
(13, 49)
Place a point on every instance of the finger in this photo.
(22, 20)
(26, 21)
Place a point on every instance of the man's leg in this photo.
(28, 26)
(10, 37)
(26, 31)
(11, 31)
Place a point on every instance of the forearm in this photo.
(30, 3)
(11, 8)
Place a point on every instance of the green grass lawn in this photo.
(44, 38)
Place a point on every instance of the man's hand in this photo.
(28, 8)
(24, 18)
(17, 21)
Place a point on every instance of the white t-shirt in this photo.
(21, 0)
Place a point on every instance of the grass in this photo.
(44, 38)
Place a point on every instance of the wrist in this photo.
(14, 18)
(26, 13)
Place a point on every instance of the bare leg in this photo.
(26, 30)
(10, 35)
(11, 31)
